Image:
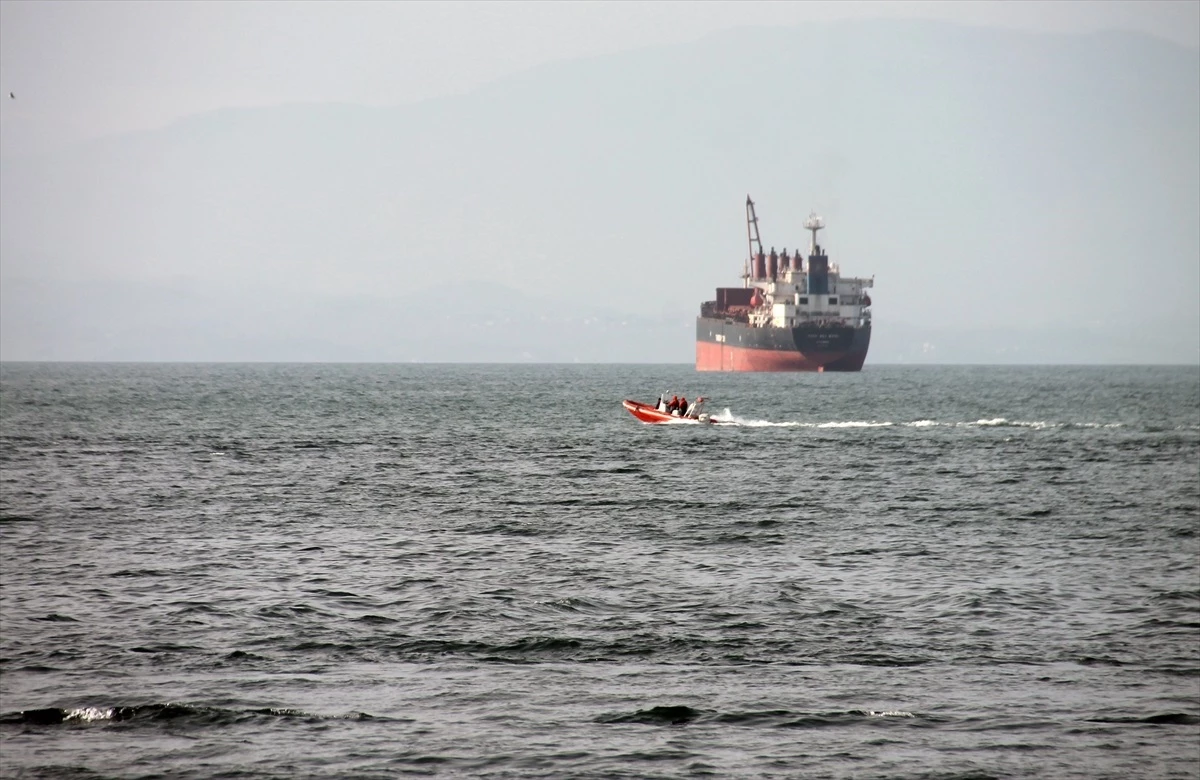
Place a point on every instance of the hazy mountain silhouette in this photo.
(152, 322)
(1018, 197)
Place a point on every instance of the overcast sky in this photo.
(82, 69)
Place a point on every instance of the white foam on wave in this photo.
(89, 714)
(1002, 422)
(891, 714)
(923, 424)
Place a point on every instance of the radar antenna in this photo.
(813, 224)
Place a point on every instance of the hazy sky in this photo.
(320, 231)
(81, 69)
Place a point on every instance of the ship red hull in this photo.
(727, 346)
(722, 357)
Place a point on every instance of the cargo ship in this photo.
(791, 313)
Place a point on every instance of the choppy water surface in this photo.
(332, 570)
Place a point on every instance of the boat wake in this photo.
(727, 417)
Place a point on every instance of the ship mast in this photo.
(813, 224)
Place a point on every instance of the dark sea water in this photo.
(277, 571)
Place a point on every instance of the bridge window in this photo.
(803, 299)
(833, 301)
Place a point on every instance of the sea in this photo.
(377, 571)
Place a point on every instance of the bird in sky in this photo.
(12, 96)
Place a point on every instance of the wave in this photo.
(734, 649)
(1165, 718)
(169, 711)
(678, 715)
(179, 714)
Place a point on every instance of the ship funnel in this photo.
(818, 263)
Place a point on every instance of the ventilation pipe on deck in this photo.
(760, 266)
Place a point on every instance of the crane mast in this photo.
(752, 237)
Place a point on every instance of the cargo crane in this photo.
(752, 238)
